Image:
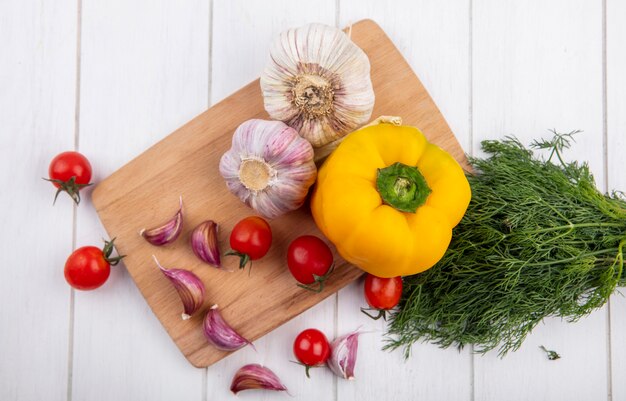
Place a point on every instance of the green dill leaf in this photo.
(552, 355)
(538, 240)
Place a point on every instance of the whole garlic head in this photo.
(318, 82)
(269, 167)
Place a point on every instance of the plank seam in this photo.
(210, 50)
(205, 373)
(471, 78)
(605, 166)
(70, 346)
(77, 89)
(470, 113)
(335, 331)
(336, 300)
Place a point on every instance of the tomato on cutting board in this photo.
(250, 240)
(310, 261)
(69, 172)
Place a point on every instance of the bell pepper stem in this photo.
(402, 187)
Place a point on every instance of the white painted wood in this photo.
(616, 144)
(242, 33)
(144, 72)
(433, 37)
(440, 58)
(538, 65)
(37, 79)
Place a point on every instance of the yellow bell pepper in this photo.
(388, 200)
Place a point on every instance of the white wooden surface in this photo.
(111, 78)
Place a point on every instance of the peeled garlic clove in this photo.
(204, 243)
(166, 233)
(220, 334)
(189, 287)
(255, 376)
(343, 352)
(318, 82)
(269, 167)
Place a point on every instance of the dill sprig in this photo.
(538, 240)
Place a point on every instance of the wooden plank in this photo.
(37, 81)
(175, 166)
(438, 53)
(530, 75)
(144, 73)
(242, 33)
(616, 124)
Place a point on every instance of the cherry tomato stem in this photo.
(244, 259)
(109, 246)
(318, 285)
(69, 172)
(380, 313)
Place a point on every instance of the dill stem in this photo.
(572, 226)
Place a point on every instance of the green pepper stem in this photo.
(402, 187)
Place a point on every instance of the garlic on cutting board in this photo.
(318, 82)
(269, 167)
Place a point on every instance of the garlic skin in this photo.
(255, 376)
(189, 287)
(269, 167)
(343, 352)
(166, 233)
(318, 82)
(204, 243)
(221, 334)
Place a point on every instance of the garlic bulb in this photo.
(269, 167)
(318, 82)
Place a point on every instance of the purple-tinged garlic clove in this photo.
(343, 352)
(204, 243)
(189, 287)
(255, 376)
(221, 334)
(166, 233)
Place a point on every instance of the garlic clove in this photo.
(255, 376)
(204, 243)
(166, 233)
(318, 82)
(221, 334)
(343, 351)
(269, 167)
(189, 287)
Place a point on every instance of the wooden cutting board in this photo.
(145, 192)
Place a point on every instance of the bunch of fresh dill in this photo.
(538, 240)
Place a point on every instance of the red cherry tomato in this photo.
(89, 267)
(70, 172)
(382, 294)
(250, 239)
(309, 260)
(311, 348)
